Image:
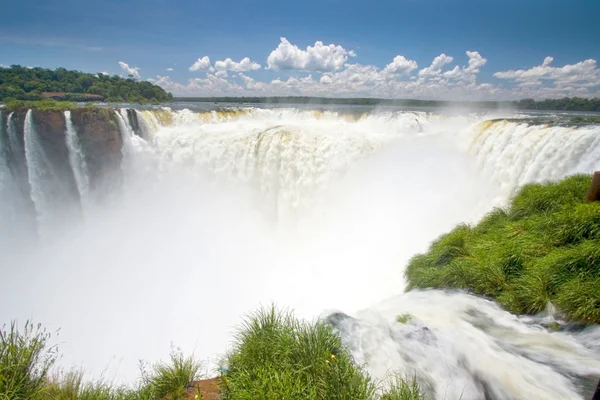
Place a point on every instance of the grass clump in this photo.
(43, 105)
(545, 247)
(25, 361)
(277, 356)
(403, 389)
(168, 380)
(404, 318)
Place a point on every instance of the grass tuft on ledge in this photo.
(544, 247)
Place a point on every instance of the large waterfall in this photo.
(224, 210)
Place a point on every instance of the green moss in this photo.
(404, 318)
(544, 248)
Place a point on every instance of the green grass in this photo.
(43, 105)
(168, 380)
(25, 361)
(404, 318)
(277, 356)
(403, 389)
(544, 247)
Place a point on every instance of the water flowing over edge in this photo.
(293, 158)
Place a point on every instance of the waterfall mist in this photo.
(218, 216)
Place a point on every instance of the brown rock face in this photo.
(50, 129)
(593, 193)
(100, 139)
(206, 389)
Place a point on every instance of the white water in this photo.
(222, 212)
(37, 169)
(77, 160)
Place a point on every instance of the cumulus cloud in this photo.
(319, 57)
(400, 65)
(580, 73)
(397, 79)
(435, 69)
(133, 71)
(201, 64)
(4, 66)
(169, 69)
(244, 65)
(467, 73)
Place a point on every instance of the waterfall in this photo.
(369, 190)
(37, 168)
(77, 159)
(5, 175)
(512, 154)
(13, 141)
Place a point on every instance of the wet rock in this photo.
(101, 141)
(205, 389)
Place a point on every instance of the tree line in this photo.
(23, 83)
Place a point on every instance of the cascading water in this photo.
(77, 159)
(187, 249)
(13, 141)
(513, 154)
(37, 168)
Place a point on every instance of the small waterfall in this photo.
(126, 130)
(4, 170)
(13, 141)
(37, 171)
(77, 159)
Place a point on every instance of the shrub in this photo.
(403, 389)
(276, 356)
(25, 359)
(168, 380)
(545, 248)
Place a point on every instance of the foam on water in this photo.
(227, 210)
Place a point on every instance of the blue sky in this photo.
(513, 37)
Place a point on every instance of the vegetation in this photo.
(275, 356)
(564, 104)
(404, 318)
(168, 381)
(545, 247)
(403, 389)
(22, 83)
(44, 105)
(25, 360)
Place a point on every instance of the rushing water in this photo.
(77, 159)
(224, 210)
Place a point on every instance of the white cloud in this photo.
(103, 73)
(201, 64)
(325, 80)
(319, 57)
(398, 79)
(169, 69)
(4, 66)
(400, 65)
(469, 72)
(571, 73)
(133, 71)
(581, 79)
(435, 69)
(244, 65)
